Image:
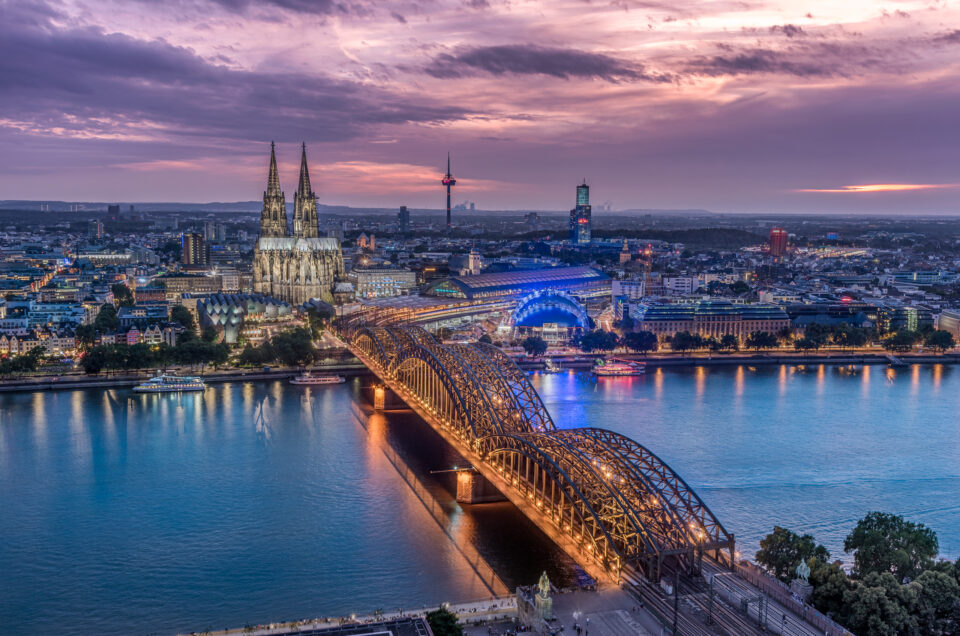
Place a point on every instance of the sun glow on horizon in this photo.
(883, 187)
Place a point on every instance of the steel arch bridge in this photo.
(607, 500)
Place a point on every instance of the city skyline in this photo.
(730, 107)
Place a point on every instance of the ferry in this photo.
(612, 368)
(170, 383)
(323, 378)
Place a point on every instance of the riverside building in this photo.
(715, 318)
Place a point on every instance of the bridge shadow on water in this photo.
(503, 537)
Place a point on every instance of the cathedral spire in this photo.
(303, 188)
(273, 215)
(305, 221)
(273, 178)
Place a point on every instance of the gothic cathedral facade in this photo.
(299, 266)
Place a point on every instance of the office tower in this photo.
(778, 242)
(403, 220)
(193, 249)
(580, 232)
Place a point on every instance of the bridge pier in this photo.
(474, 488)
(383, 398)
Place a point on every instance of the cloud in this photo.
(529, 59)
(789, 30)
(953, 37)
(315, 7)
(759, 61)
(883, 187)
(86, 82)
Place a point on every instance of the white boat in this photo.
(171, 383)
(612, 368)
(551, 366)
(323, 378)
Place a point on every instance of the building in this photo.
(584, 282)
(778, 242)
(95, 229)
(625, 256)
(177, 285)
(891, 319)
(403, 220)
(143, 314)
(301, 266)
(580, 230)
(715, 318)
(193, 249)
(383, 282)
(950, 321)
(254, 316)
(448, 182)
(633, 289)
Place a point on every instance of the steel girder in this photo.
(426, 378)
(368, 341)
(509, 410)
(575, 506)
(534, 412)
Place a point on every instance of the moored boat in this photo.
(320, 378)
(171, 383)
(613, 367)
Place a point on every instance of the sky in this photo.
(798, 106)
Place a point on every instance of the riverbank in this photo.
(120, 380)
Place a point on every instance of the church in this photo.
(297, 266)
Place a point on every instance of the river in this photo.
(257, 502)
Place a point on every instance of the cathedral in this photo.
(299, 266)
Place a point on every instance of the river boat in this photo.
(171, 383)
(612, 368)
(552, 366)
(310, 379)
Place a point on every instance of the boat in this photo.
(552, 366)
(322, 378)
(171, 383)
(613, 367)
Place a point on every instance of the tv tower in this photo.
(448, 181)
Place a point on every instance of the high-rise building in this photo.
(299, 267)
(778, 242)
(193, 249)
(580, 232)
(221, 233)
(403, 220)
(209, 231)
(95, 229)
(448, 181)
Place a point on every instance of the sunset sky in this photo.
(731, 106)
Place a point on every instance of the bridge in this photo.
(614, 506)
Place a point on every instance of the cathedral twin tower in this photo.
(299, 266)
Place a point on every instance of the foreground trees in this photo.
(896, 587)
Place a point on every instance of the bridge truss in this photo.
(618, 504)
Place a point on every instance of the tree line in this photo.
(896, 585)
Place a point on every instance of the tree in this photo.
(626, 323)
(902, 341)
(599, 341)
(782, 551)
(443, 622)
(805, 344)
(210, 334)
(318, 319)
(730, 342)
(485, 339)
(106, 320)
(890, 544)
(829, 583)
(122, 294)
(684, 341)
(939, 340)
(739, 287)
(294, 347)
(642, 341)
(179, 313)
(938, 603)
(761, 340)
(85, 335)
(534, 346)
(879, 606)
(255, 356)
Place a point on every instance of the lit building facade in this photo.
(778, 242)
(716, 318)
(580, 222)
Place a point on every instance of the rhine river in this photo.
(256, 502)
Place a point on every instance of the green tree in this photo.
(122, 294)
(106, 320)
(739, 287)
(179, 313)
(782, 551)
(534, 346)
(318, 320)
(294, 347)
(879, 606)
(255, 356)
(730, 342)
(642, 341)
(902, 341)
(210, 334)
(938, 603)
(599, 341)
(939, 340)
(85, 335)
(684, 341)
(443, 622)
(805, 344)
(485, 339)
(886, 543)
(829, 583)
(761, 340)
